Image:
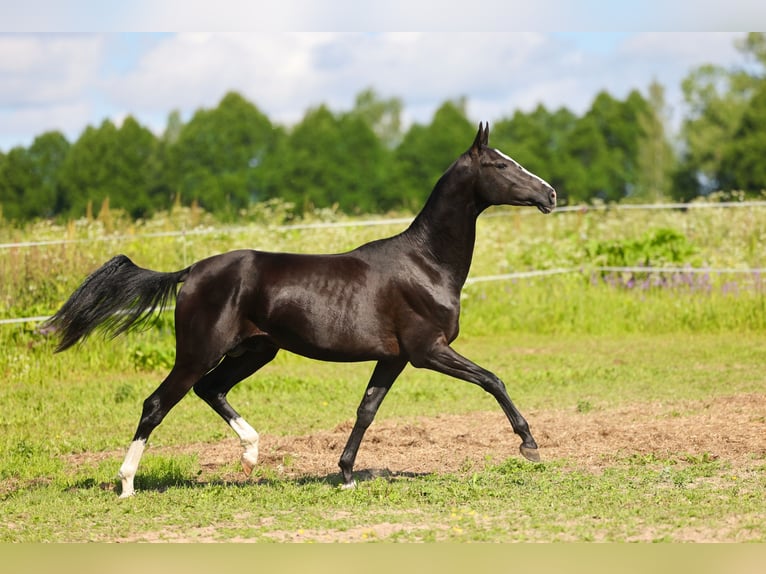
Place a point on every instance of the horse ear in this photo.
(479, 140)
(485, 136)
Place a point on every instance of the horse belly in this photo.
(338, 328)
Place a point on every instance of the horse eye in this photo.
(500, 165)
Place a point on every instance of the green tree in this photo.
(716, 104)
(426, 152)
(217, 153)
(656, 159)
(718, 100)
(109, 162)
(753, 46)
(603, 148)
(384, 116)
(742, 166)
(29, 177)
(137, 182)
(86, 174)
(46, 154)
(588, 159)
(537, 141)
(15, 179)
(173, 128)
(163, 189)
(328, 159)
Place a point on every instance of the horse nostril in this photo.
(553, 195)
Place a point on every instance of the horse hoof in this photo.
(249, 460)
(530, 453)
(348, 485)
(130, 494)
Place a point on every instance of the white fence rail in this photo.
(390, 221)
(407, 220)
(531, 274)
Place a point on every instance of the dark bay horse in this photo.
(394, 301)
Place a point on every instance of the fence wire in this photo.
(384, 221)
(407, 220)
(528, 275)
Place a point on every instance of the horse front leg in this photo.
(444, 359)
(383, 377)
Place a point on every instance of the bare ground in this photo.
(731, 428)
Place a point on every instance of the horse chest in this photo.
(434, 307)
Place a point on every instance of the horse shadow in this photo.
(162, 481)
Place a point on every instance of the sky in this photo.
(61, 73)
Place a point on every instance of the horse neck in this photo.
(446, 227)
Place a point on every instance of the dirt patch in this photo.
(731, 428)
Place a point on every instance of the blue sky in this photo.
(64, 66)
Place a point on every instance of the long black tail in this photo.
(118, 296)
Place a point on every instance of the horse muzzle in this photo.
(550, 204)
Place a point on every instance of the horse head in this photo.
(500, 180)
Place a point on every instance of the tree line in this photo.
(232, 156)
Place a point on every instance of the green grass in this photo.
(45, 498)
(581, 343)
(511, 501)
(73, 402)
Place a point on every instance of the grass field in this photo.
(646, 393)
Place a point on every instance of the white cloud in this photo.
(46, 83)
(24, 124)
(351, 15)
(286, 73)
(43, 69)
(683, 49)
(67, 82)
(423, 15)
(191, 70)
(669, 57)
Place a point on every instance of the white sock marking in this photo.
(130, 466)
(248, 439)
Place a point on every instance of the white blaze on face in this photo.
(522, 168)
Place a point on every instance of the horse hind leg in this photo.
(155, 408)
(203, 335)
(215, 385)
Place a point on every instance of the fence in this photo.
(530, 274)
(402, 221)
(389, 221)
